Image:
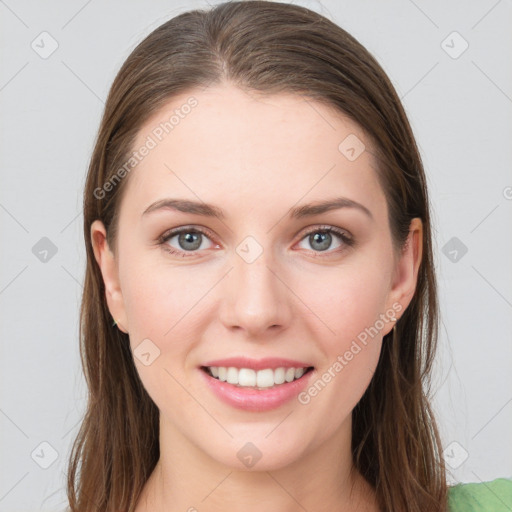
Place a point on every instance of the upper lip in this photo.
(258, 364)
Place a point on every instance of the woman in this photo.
(259, 317)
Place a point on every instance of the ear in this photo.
(406, 270)
(108, 266)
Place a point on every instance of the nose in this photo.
(256, 298)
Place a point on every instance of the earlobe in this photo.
(407, 268)
(109, 271)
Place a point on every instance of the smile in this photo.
(256, 385)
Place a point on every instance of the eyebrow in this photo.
(299, 212)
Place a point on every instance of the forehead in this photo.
(223, 143)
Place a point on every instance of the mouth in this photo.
(262, 379)
(256, 385)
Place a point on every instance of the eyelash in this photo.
(163, 239)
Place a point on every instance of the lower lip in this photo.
(250, 399)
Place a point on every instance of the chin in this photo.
(255, 453)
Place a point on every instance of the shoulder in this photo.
(495, 495)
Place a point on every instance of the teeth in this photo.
(279, 375)
(232, 376)
(265, 378)
(290, 374)
(246, 377)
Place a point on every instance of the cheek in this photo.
(161, 304)
(159, 299)
(350, 339)
(343, 303)
(347, 304)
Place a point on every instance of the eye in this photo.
(189, 240)
(321, 238)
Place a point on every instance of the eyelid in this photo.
(329, 228)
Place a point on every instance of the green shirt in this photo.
(493, 496)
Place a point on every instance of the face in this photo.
(259, 281)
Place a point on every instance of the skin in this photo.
(255, 157)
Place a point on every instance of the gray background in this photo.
(460, 108)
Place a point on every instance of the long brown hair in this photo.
(267, 47)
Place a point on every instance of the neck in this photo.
(322, 479)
